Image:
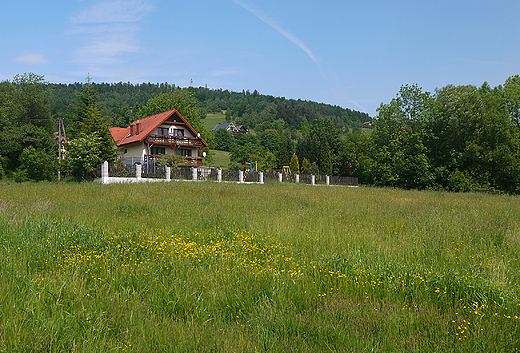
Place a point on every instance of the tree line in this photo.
(458, 138)
(30, 110)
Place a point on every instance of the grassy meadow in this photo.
(209, 267)
(213, 119)
(220, 159)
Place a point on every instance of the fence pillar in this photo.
(280, 177)
(313, 179)
(138, 171)
(261, 177)
(327, 179)
(104, 173)
(168, 173)
(194, 173)
(296, 178)
(219, 175)
(240, 176)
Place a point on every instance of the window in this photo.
(126, 151)
(184, 152)
(157, 150)
(162, 131)
(178, 132)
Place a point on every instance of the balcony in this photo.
(179, 141)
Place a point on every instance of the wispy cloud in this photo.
(114, 11)
(107, 31)
(344, 96)
(32, 59)
(280, 30)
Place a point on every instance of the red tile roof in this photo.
(119, 132)
(145, 127)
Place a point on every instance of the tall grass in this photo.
(226, 267)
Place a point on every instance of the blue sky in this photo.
(355, 54)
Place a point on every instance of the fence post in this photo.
(194, 173)
(138, 170)
(240, 176)
(313, 179)
(168, 173)
(219, 175)
(327, 179)
(261, 177)
(280, 177)
(104, 173)
(296, 178)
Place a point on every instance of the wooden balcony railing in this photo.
(179, 141)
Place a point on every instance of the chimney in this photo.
(138, 127)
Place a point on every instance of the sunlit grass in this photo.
(225, 267)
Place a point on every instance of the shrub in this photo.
(294, 165)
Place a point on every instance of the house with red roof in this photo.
(164, 133)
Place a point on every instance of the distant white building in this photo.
(229, 126)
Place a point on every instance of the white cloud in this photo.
(107, 47)
(107, 33)
(114, 11)
(32, 59)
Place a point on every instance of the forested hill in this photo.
(121, 101)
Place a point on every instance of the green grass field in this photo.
(224, 267)
(220, 159)
(212, 120)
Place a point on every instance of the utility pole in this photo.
(61, 127)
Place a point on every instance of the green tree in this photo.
(90, 120)
(478, 140)
(25, 119)
(295, 164)
(36, 165)
(400, 139)
(314, 137)
(270, 139)
(15, 137)
(27, 99)
(511, 98)
(83, 155)
(282, 155)
(305, 166)
(180, 99)
(223, 140)
(325, 159)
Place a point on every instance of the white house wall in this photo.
(139, 150)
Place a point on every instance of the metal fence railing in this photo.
(230, 175)
(251, 176)
(183, 173)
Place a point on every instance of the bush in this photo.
(459, 182)
(35, 165)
